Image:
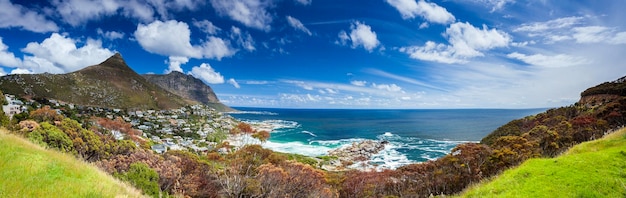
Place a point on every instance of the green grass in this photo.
(28, 170)
(590, 169)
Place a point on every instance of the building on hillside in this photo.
(14, 106)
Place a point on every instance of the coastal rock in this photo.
(357, 152)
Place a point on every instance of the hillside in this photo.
(591, 169)
(109, 84)
(189, 88)
(28, 170)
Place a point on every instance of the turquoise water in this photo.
(414, 135)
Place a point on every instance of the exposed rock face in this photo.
(357, 152)
(185, 86)
(188, 87)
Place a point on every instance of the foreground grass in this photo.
(590, 169)
(28, 170)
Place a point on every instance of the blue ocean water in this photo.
(413, 135)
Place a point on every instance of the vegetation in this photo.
(591, 169)
(28, 170)
(252, 171)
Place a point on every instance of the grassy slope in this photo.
(590, 169)
(28, 170)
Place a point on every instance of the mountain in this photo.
(109, 84)
(188, 87)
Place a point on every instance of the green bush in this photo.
(143, 177)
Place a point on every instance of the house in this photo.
(117, 135)
(159, 148)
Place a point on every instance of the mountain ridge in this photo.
(111, 83)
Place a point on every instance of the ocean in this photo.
(413, 135)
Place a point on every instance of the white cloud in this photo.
(496, 4)
(256, 82)
(233, 82)
(207, 27)
(361, 35)
(77, 12)
(343, 38)
(59, 54)
(403, 79)
(251, 13)
(172, 38)
(466, 41)
(111, 35)
(167, 38)
(359, 83)
(559, 60)
(387, 87)
(243, 39)
(175, 62)
(598, 34)
(7, 58)
(295, 23)
(564, 22)
(21, 71)
(304, 2)
(428, 10)
(14, 15)
(207, 74)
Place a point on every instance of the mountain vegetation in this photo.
(252, 171)
(591, 169)
(28, 170)
(110, 84)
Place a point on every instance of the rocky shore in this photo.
(357, 152)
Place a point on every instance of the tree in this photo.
(45, 114)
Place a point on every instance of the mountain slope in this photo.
(108, 84)
(591, 169)
(28, 170)
(188, 87)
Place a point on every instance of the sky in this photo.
(364, 54)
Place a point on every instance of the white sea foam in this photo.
(297, 148)
(272, 125)
(310, 133)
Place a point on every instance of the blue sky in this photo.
(335, 53)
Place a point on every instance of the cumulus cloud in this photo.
(559, 60)
(7, 58)
(207, 74)
(428, 10)
(233, 82)
(465, 41)
(78, 12)
(59, 54)
(359, 83)
(361, 35)
(172, 38)
(21, 71)
(175, 62)
(111, 35)
(14, 15)
(251, 13)
(296, 24)
(207, 27)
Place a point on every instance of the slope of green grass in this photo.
(28, 170)
(590, 169)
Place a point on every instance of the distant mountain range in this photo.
(113, 84)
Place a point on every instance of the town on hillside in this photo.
(196, 128)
